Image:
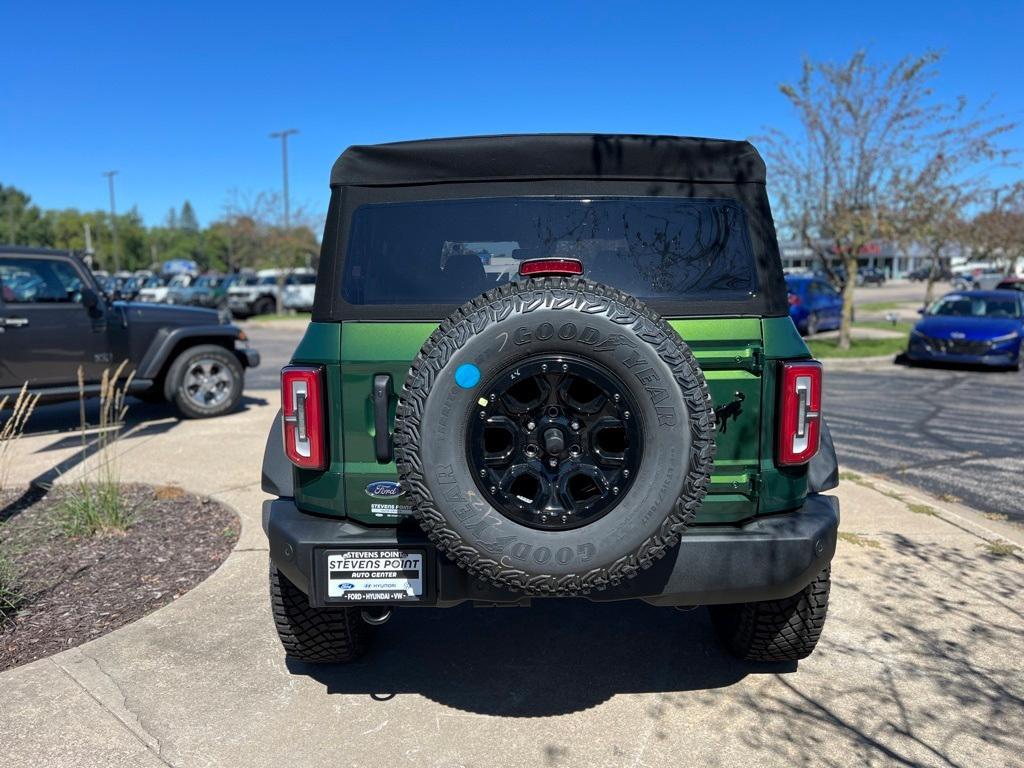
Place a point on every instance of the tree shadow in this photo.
(557, 657)
(929, 672)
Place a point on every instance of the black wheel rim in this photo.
(555, 442)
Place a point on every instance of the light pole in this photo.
(283, 136)
(113, 219)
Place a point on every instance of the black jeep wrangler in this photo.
(550, 366)
(54, 318)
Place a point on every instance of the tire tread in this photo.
(318, 635)
(776, 630)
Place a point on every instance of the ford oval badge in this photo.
(384, 489)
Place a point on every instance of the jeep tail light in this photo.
(799, 412)
(550, 267)
(302, 416)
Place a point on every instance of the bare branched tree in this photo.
(935, 197)
(996, 234)
(871, 133)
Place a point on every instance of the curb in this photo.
(960, 516)
(854, 363)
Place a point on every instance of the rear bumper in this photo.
(764, 559)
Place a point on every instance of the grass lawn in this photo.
(881, 325)
(271, 318)
(885, 306)
(858, 347)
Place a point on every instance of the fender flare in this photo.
(164, 341)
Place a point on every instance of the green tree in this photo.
(188, 221)
(21, 222)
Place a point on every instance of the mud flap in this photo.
(823, 471)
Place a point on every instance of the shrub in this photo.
(96, 503)
(13, 428)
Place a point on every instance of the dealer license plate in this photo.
(374, 575)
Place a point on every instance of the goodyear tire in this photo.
(315, 635)
(546, 319)
(775, 630)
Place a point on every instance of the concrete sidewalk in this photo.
(920, 662)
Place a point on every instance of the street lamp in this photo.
(113, 219)
(283, 135)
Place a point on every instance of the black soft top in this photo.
(549, 165)
(597, 156)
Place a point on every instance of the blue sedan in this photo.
(814, 305)
(971, 327)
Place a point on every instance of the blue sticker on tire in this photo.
(467, 375)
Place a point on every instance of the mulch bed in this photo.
(76, 589)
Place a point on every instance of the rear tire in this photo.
(775, 630)
(315, 635)
(813, 324)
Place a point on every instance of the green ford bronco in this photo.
(550, 366)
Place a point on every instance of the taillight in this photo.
(799, 412)
(550, 267)
(794, 299)
(302, 415)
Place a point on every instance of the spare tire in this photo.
(555, 436)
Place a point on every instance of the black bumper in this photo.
(764, 559)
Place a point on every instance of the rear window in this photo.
(447, 251)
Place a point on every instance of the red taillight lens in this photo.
(799, 412)
(550, 267)
(794, 299)
(302, 415)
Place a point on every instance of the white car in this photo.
(158, 293)
(298, 295)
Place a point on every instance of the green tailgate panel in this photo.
(732, 352)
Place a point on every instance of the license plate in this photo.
(374, 575)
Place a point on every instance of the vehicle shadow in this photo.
(65, 418)
(920, 664)
(905, 361)
(557, 657)
(63, 421)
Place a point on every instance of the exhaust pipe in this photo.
(376, 618)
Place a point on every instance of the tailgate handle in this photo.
(383, 393)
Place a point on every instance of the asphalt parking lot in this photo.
(957, 434)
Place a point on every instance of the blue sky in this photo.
(180, 97)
